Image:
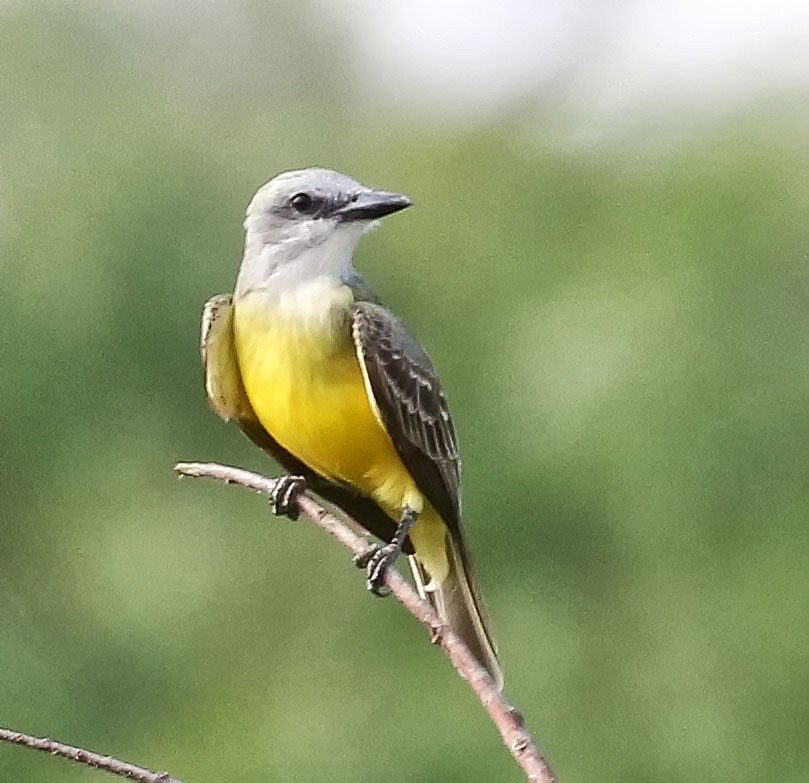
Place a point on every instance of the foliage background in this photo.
(621, 321)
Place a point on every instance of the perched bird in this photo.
(317, 372)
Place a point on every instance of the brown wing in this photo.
(412, 405)
(226, 394)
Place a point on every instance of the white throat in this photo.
(316, 252)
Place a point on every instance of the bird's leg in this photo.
(378, 558)
(284, 497)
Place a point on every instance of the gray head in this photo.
(311, 219)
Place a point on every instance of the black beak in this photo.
(370, 205)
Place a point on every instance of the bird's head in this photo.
(314, 219)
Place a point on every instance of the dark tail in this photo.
(458, 603)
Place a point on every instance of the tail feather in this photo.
(457, 602)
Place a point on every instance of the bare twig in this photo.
(506, 718)
(86, 757)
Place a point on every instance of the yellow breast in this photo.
(304, 381)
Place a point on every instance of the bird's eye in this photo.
(302, 202)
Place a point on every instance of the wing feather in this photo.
(407, 393)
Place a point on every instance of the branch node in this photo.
(437, 633)
(518, 717)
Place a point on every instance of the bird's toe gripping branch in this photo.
(375, 562)
(284, 497)
(378, 558)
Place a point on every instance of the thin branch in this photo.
(86, 757)
(506, 718)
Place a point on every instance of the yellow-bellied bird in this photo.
(327, 380)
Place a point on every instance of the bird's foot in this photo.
(284, 498)
(376, 560)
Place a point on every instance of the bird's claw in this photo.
(284, 497)
(376, 560)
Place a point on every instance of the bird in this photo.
(318, 373)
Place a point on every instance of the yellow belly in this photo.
(307, 389)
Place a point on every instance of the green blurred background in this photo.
(614, 288)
